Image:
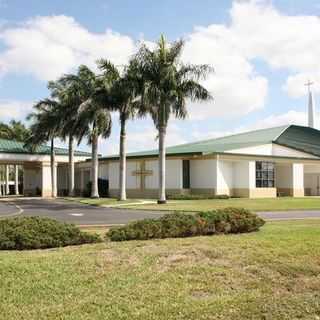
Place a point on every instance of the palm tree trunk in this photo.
(122, 156)
(94, 168)
(162, 166)
(71, 166)
(53, 171)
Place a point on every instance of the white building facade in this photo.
(282, 161)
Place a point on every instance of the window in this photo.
(265, 174)
(186, 174)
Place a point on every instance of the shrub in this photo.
(25, 233)
(196, 196)
(230, 220)
(103, 188)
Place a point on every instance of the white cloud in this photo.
(283, 41)
(257, 30)
(274, 120)
(47, 47)
(141, 136)
(235, 86)
(11, 109)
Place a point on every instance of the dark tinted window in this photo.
(265, 174)
(186, 174)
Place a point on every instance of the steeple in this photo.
(311, 112)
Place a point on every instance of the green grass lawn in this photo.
(271, 274)
(266, 204)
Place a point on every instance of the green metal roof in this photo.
(304, 139)
(12, 146)
(301, 138)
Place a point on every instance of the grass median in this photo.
(265, 204)
(270, 274)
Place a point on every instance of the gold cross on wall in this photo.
(142, 173)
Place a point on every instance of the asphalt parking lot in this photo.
(82, 214)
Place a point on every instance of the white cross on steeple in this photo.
(311, 112)
(309, 84)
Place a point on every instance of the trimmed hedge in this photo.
(179, 225)
(24, 233)
(196, 196)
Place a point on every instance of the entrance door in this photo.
(186, 174)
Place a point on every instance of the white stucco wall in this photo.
(152, 181)
(244, 174)
(203, 173)
(283, 175)
(272, 149)
(290, 175)
(86, 178)
(113, 172)
(103, 171)
(278, 150)
(312, 184)
(312, 168)
(224, 176)
(174, 174)
(62, 177)
(21, 157)
(31, 178)
(133, 182)
(265, 149)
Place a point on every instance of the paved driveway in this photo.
(73, 212)
(82, 214)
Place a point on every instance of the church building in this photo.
(280, 161)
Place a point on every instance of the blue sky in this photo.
(262, 51)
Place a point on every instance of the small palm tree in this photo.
(168, 83)
(120, 92)
(46, 127)
(94, 119)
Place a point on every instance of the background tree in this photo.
(168, 83)
(15, 130)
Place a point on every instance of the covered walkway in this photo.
(29, 173)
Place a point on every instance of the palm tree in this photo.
(46, 127)
(15, 130)
(66, 91)
(168, 83)
(120, 92)
(94, 119)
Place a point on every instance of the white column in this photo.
(297, 180)
(46, 186)
(224, 178)
(16, 179)
(7, 179)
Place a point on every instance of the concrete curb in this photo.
(19, 212)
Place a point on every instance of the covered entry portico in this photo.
(30, 170)
(10, 179)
